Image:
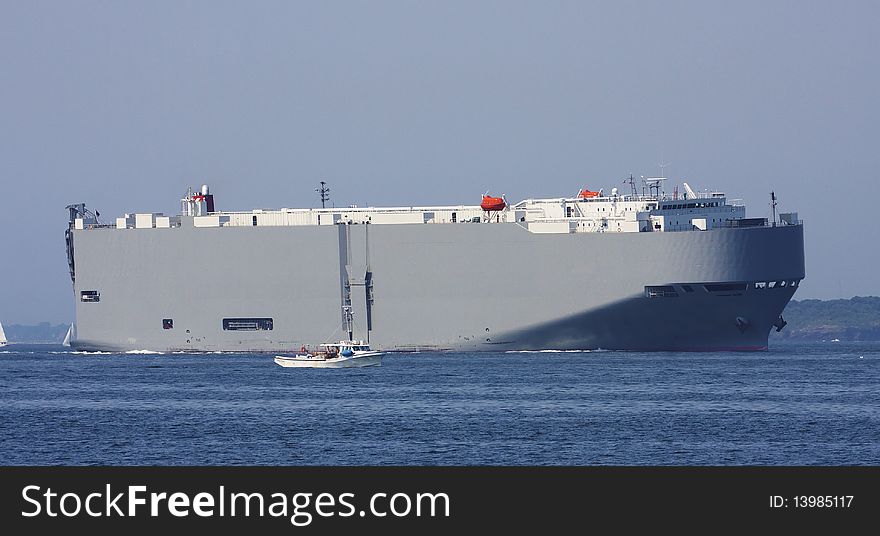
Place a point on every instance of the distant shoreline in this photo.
(42, 333)
(855, 319)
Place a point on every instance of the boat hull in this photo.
(369, 359)
(432, 287)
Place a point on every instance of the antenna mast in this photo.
(662, 167)
(632, 185)
(324, 191)
(773, 207)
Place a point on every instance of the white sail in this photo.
(68, 336)
(2, 336)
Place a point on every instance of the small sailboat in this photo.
(71, 336)
(2, 336)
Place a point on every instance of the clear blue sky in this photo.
(122, 105)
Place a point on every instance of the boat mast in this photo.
(348, 321)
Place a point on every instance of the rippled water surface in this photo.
(793, 405)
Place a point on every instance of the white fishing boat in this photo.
(344, 354)
(2, 336)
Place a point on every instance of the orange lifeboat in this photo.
(587, 194)
(492, 203)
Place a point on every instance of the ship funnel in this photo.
(209, 199)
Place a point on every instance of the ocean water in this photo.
(796, 404)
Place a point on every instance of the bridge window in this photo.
(167, 323)
(90, 296)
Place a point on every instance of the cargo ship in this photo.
(642, 270)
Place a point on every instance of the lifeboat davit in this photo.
(492, 203)
(587, 194)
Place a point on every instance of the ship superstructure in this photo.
(639, 270)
